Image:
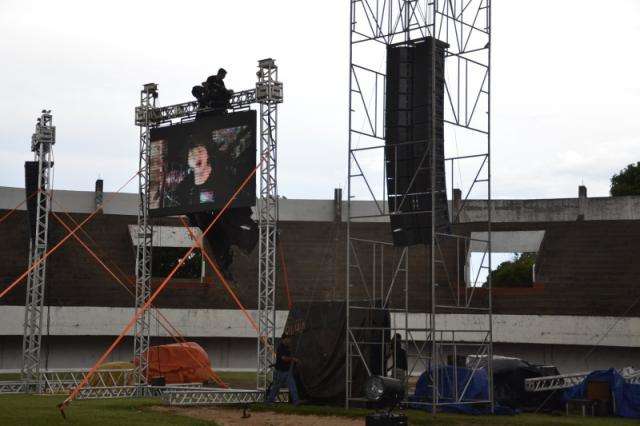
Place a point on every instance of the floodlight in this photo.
(384, 389)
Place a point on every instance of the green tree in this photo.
(627, 182)
(514, 273)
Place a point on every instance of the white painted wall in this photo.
(230, 323)
(540, 210)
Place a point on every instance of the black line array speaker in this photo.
(31, 186)
(414, 135)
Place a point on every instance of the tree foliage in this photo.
(627, 182)
(516, 272)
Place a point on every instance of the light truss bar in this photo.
(269, 95)
(141, 334)
(163, 114)
(564, 381)
(64, 381)
(42, 143)
(217, 397)
(112, 392)
(13, 386)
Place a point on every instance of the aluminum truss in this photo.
(141, 334)
(217, 396)
(268, 93)
(456, 320)
(63, 381)
(42, 143)
(564, 381)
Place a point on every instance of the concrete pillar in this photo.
(98, 194)
(337, 205)
(582, 202)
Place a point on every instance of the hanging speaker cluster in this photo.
(414, 140)
(31, 186)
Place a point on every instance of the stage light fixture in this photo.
(386, 393)
(384, 389)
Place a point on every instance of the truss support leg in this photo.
(42, 142)
(141, 337)
(268, 95)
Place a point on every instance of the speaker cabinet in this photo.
(414, 140)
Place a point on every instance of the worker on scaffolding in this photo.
(283, 372)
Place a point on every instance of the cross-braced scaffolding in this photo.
(141, 333)
(42, 143)
(443, 312)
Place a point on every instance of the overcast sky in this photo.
(566, 86)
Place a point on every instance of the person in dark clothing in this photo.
(213, 96)
(400, 364)
(283, 372)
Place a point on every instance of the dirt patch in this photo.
(233, 417)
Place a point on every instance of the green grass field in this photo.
(41, 410)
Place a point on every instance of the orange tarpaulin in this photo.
(179, 363)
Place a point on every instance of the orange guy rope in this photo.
(286, 276)
(168, 327)
(213, 265)
(54, 248)
(155, 294)
(18, 206)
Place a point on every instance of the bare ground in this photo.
(233, 417)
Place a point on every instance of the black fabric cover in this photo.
(318, 339)
(414, 112)
(509, 375)
(31, 186)
(234, 228)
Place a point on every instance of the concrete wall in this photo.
(240, 354)
(536, 210)
(83, 351)
(229, 323)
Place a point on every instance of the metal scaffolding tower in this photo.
(141, 336)
(42, 143)
(269, 95)
(455, 319)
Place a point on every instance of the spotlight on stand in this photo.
(384, 393)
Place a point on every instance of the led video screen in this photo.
(197, 166)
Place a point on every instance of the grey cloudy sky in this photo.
(566, 92)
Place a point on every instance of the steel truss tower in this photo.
(42, 143)
(445, 312)
(141, 334)
(268, 93)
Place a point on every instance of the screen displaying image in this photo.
(197, 166)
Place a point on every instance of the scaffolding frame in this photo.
(441, 328)
(268, 93)
(42, 143)
(144, 230)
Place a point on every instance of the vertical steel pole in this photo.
(42, 143)
(348, 247)
(489, 215)
(432, 251)
(141, 338)
(269, 95)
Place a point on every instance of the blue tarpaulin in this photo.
(626, 396)
(475, 389)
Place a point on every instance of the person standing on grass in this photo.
(283, 372)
